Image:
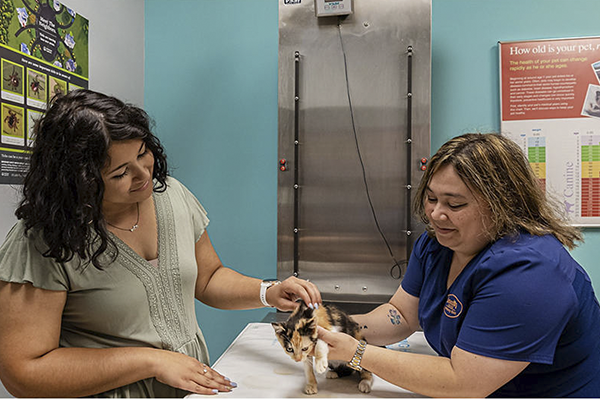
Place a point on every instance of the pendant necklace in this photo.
(135, 226)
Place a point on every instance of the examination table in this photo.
(261, 368)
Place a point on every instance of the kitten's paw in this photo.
(321, 365)
(332, 375)
(310, 389)
(365, 385)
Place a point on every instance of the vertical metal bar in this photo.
(296, 160)
(409, 158)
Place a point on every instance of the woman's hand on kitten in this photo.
(341, 346)
(284, 295)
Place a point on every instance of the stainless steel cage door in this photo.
(354, 120)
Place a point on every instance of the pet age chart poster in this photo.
(550, 106)
(43, 52)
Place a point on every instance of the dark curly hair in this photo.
(63, 189)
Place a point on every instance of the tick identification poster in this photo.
(43, 52)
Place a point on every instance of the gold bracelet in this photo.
(360, 350)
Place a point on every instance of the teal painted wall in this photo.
(211, 86)
(465, 81)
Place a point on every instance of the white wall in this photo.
(116, 51)
(116, 46)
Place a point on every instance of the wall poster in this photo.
(43, 52)
(550, 106)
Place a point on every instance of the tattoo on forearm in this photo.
(394, 317)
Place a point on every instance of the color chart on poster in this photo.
(43, 52)
(550, 106)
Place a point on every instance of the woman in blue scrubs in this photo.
(498, 296)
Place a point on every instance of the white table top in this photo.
(261, 368)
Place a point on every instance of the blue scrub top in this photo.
(522, 298)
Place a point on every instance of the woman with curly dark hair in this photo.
(72, 145)
(99, 275)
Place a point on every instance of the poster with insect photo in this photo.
(43, 53)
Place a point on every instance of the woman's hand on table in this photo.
(341, 346)
(187, 373)
(284, 295)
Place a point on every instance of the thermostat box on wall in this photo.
(327, 8)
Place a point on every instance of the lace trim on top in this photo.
(163, 284)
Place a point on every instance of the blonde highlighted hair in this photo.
(497, 171)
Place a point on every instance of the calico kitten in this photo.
(298, 337)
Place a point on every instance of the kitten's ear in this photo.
(301, 305)
(307, 312)
(278, 328)
(311, 326)
(308, 327)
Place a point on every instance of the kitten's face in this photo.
(297, 338)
